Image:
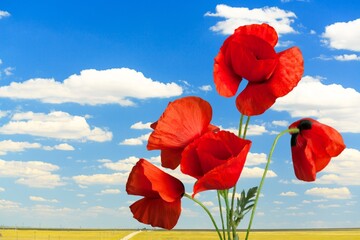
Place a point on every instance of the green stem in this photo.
(207, 211)
(292, 130)
(228, 214)
(246, 127)
(240, 124)
(221, 213)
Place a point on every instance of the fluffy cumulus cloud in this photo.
(7, 146)
(135, 141)
(288, 194)
(342, 170)
(333, 193)
(41, 199)
(236, 16)
(253, 130)
(343, 35)
(109, 191)
(11, 146)
(140, 125)
(101, 179)
(93, 87)
(57, 124)
(256, 172)
(312, 98)
(347, 57)
(4, 14)
(34, 174)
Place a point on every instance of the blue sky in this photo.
(80, 84)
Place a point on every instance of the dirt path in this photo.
(127, 237)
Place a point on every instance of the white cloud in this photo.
(347, 57)
(61, 147)
(280, 123)
(256, 172)
(4, 14)
(122, 165)
(288, 194)
(343, 169)
(205, 88)
(3, 113)
(311, 98)
(255, 159)
(343, 35)
(253, 130)
(93, 87)
(329, 206)
(101, 179)
(109, 191)
(140, 125)
(11, 146)
(9, 205)
(57, 124)
(41, 199)
(236, 16)
(34, 174)
(9, 71)
(333, 193)
(2, 189)
(136, 141)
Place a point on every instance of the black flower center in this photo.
(303, 125)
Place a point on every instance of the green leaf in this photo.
(244, 204)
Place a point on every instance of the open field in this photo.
(38, 234)
(62, 234)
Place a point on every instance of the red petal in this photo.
(255, 99)
(263, 31)
(224, 176)
(225, 79)
(183, 120)
(157, 212)
(252, 58)
(314, 148)
(288, 72)
(304, 165)
(170, 158)
(147, 180)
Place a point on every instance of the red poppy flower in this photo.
(313, 147)
(182, 121)
(161, 205)
(215, 160)
(249, 53)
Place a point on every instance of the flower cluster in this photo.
(215, 158)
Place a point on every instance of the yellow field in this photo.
(20, 234)
(173, 235)
(271, 235)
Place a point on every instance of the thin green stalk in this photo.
(240, 124)
(228, 220)
(246, 127)
(292, 130)
(207, 211)
(221, 213)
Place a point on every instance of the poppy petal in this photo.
(252, 58)
(170, 158)
(255, 99)
(222, 177)
(147, 180)
(263, 31)
(288, 72)
(157, 212)
(183, 120)
(303, 163)
(226, 81)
